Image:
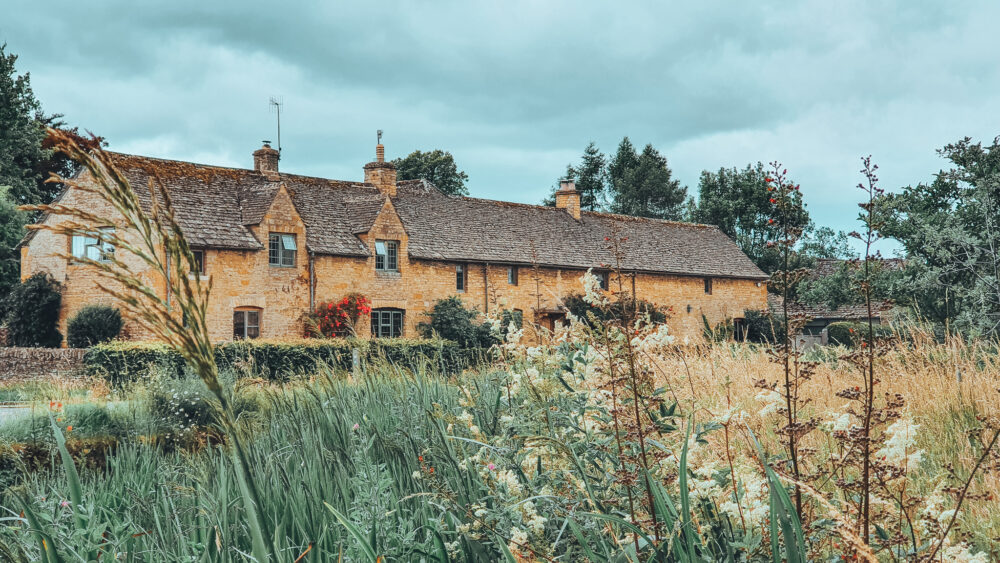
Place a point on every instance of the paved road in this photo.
(12, 412)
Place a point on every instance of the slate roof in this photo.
(215, 205)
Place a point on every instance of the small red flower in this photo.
(773, 200)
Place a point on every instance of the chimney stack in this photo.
(265, 160)
(381, 173)
(568, 198)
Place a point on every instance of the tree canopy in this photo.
(950, 229)
(437, 167)
(643, 185)
(21, 134)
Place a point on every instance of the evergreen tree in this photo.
(437, 167)
(21, 135)
(12, 223)
(590, 175)
(643, 185)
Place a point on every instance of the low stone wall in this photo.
(37, 363)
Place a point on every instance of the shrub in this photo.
(339, 318)
(761, 327)
(121, 362)
(849, 334)
(578, 306)
(92, 325)
(452, 321)
(31, 312)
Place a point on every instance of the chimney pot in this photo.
(568, 198)
(380, 173)
(265, 160)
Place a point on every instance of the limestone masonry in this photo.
(276, 245)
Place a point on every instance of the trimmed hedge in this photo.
(93, 325)
(851, 333)
(120, 362)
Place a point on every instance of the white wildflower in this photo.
(518, 538)
(898, 448)
(592, 292)
(962, 553)
(654, 340)
(416, 475)
(772, 401)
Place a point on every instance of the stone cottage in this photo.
(276, 245)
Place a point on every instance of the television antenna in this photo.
(379, 136)
(276, 103)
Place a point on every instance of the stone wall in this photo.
(18, 364)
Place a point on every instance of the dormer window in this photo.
(387, 255)
(92, 248)
(281, 250)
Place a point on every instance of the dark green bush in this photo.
(93, 325)
(449, 319)
(761, 327)
(120, 362)
(851, 333)
(31, 312)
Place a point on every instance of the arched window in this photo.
(246, 323)
(387, 323)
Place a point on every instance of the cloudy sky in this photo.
(516, 89)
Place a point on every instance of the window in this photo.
(460, 278)
(199, 261)
(512, 275)
(603, 278)
(90, 247)
(708, 286)
(387, 255)
(281, 250)
(387, 323)
(246, 323)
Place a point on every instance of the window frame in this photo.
(388, 322)
(199, 262)
(512, 275)
(708, 286)
(245, 313)
(388, 259)
(461, 278)
(277, 250)
(604, 278)
(105, 250)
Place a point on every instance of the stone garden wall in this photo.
(37, 363)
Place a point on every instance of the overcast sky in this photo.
(515, 90)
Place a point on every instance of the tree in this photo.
(950, 229)
(437, 167)
(591, 177)
(12, 223)
(31, 312)
(21, 134)
(740, 204)
(449, 319)
(824, 242)
(642, 185)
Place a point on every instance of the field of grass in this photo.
(537, 458)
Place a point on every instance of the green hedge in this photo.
(851, 333)
(121, 362)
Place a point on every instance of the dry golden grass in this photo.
(711, 380)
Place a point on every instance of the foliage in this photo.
(31, 312)
(121, 362)
(92, 325)
(621, 308)
(840, 287)
(762, 327)
(591, 177)
(449, 319)
(824, 242)
(949, 228)
(437, 167)
(21, 133)
(739, 203)
(339, 318)
(643, 185)
(852, 333)
(12, 222)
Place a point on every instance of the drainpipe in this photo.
(312, 281)
(486, 288)
(166, 280)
